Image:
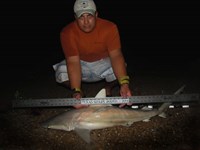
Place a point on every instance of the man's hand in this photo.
(78, 95)
(125, 92)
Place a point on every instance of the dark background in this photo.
(155, 34)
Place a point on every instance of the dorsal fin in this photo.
(101, 93)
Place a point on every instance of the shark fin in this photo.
(163, 115)
(146, 120)
(164, 106)
(101, 93)
(84, 134)
(128, 124)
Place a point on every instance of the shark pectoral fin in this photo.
(128, 124)
(146, 120)
(84, 134)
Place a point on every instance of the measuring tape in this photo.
(56, 102)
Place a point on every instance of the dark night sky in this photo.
(152, 32)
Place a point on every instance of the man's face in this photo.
(87, 22)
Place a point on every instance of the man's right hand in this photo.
(78, 95)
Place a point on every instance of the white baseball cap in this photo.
(84, 6)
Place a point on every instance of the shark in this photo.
(94, 117)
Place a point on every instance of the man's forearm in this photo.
(75, 77)
(118, 64)
(74, 73)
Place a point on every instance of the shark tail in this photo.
(165, 106)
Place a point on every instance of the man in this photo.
(92, 50)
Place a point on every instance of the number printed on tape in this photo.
(108, 101)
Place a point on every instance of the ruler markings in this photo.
(108, 100)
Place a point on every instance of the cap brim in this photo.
(79, 13)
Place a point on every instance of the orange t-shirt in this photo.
(90, 46)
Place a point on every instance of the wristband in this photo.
(76, 90)
(124, 80)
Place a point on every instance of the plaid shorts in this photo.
(91, 71)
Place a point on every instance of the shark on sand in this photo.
(84, 120)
